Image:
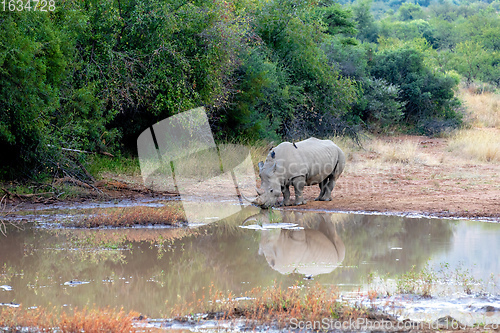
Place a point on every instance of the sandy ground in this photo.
(401, 175)
(408, 174)
(435, 182)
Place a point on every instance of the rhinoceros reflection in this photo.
(313, 249)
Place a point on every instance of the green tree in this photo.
(291, 58)
(471, 60)
(380, 106)
(409, 12)
(426, 94)
(263, 99)
(148, 60)
(32, 67)
(365, 23)
(407, 30)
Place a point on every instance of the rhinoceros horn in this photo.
(256, 201)
(259, 191)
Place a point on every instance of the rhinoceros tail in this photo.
(339, 167)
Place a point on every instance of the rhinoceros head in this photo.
(270, 189)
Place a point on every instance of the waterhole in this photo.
(150, 270)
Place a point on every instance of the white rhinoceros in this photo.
(314, 249)
(307, 162)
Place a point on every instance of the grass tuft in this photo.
(404, 151)
(98, 165)
(88, 321)
(484, 109)
(170, 214)
(482, 145)
(413, 282)
(274, 304)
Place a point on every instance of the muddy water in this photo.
(149, 270)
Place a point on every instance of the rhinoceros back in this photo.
(316, 159)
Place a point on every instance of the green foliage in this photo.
(121, 165)
(366, 25)
(337, 20)
(407, 30)
(93, 75)
(285, 75)
(32, 67)
(409, 11)
(474, 62)
(380, 105)
(464, 36)
(427, 95)
(262, 101)
(349, 60)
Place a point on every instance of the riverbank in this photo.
(397, 175)
(417, 175)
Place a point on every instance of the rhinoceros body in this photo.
(312, 249)
(307, 162)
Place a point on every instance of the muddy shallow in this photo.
(149, 270)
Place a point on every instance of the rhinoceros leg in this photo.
(322, 187)
(326, 191)
(286, 195)
(298, 185)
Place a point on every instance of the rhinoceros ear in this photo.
(261, 165)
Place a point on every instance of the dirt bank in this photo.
(405, 174)
(436, 181)
(432, 180)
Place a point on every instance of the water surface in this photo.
(149, 270)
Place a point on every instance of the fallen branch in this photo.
(72, 180)
(24, 196)
(80, 165)
(142, 189)
(86, 152)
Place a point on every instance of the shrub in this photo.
(380, 105)
(426, 94)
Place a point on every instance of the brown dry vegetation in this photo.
(484, 109)
(169, 214)
(438, 176)
(273, 304)
(285, 308)
(452, 176)
(52, 320)
(416, 174)
(456, 175)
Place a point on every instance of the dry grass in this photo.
(482, 142)
(273, 304)
(170, 214)
(96, 238)
(484, 109)
(401, 151)
(259, 151)
(88, 321)
(481, 145)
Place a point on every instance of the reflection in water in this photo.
(304, 251)
(149, 270)
(311, 247)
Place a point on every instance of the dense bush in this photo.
(380, 105)
(426, 94)
(92, 75)
(33, 64)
